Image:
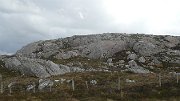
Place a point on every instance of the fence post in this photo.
(50, 88)
(73, 84)
(121, 93)
(160, 79)
(119, 84)
(2, 87)
(34, 89)
(10, 86)
(1, 83)
(10, 90)
(86, 84)
(177, 77)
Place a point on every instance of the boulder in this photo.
(62, 80)
(44, 83)
(30, 87)
(121, 62)
(133, 67)
(36, 67)
(142, 59)
(109, 60)
(128, 52)
(132, 56)
(93, 82)
(151, 67)
(155, 61)
(130, 81)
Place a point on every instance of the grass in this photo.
(5, 72)
(145, 88)
(86, 62)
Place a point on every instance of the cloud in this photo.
(5, 53)
(25, 21)
(18, 6)
(154, 16)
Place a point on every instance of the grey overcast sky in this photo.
(25, 21)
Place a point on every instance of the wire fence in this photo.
(104, 85)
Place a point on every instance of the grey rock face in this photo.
(102, 49)
(11, 62)
(169, 57)
(35, 67)
(171, 41)
(145, 48)
(26, 66)
(64, 69)
(135, 68)
(97, 46)
(32, 59)
(67, 55)
(30, 50)
(173, 52)
(2, 56)
(92, 46)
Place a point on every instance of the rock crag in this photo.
(137, 51)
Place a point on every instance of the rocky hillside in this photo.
(138, 53)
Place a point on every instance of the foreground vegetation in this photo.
(144, 88)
